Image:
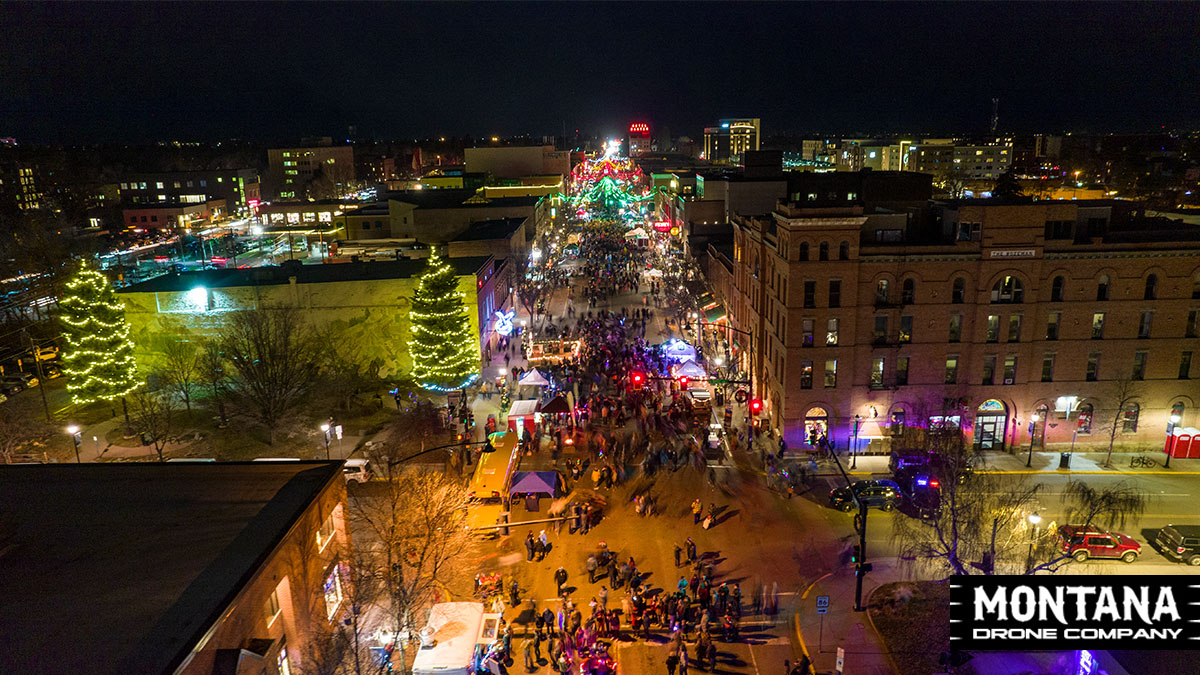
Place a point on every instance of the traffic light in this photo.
(683, 381)
(856, 556)
(637, 380)
(755, 406)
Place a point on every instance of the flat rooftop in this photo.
(121, 568)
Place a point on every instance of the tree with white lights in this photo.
(444, 353)
(98, 359)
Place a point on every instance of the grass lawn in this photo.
(913, 618)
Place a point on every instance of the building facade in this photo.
(320, 172)
(19, 185)
(239, 189)
(1008, 310)
(726, 142)
(964, 162)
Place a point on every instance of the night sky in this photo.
(101, 71)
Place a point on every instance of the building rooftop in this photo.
(451, 199)
(305, 274)
(122, 568)
(499, 228)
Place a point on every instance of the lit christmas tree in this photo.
(443, 348)
(98, 359)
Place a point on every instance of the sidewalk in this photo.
(1043, 462)
(821, 635)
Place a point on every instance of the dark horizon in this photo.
(105, 72)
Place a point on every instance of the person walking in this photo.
(683, 660)
(537, 647)
(697, 509)
(529, 546)
(591, 568)
(602, 596)
(691, 550)
(672, 662)
(560, 578)
(544, 545)
(527, 647)
(678, 554)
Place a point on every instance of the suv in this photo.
(922, 490)
(1180, 542)
(1083, 543)
(882, 494)
(357, 470)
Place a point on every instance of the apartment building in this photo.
(994, 313)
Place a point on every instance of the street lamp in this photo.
(1034, 520)
(1172, 422)
(854, 450)
(77, 437)
(325, 431)
(1033, 420)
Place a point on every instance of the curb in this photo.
(1068, 472)
(887, 652)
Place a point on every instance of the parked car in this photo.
(51, 370)
(1084, 543)
(26, 379)
(902, 459)
(880, 494)
(1180, 542)
(905, 459)
(47, 353)
(11, 386)
(357, 470)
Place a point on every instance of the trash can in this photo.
(1064, 460)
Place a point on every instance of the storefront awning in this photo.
(714, 314)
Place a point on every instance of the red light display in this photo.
(639, 128)
(662, 225)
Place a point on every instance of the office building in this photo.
(989, 314)
(965, 162)
(19, 185)
(238, 188)
(518, 161)
(639, 141)
(726, 142)
(309, 173)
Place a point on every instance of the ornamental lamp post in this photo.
(854, 450)
(325, 431)
(1034, 520)
(1172, 422)
(77, 438)
(1033, 420)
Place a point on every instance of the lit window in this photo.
(272, 607)
(325, 534)
(220, 179)
(159, 185)
(333, 592)
(176, 185)
(281, 663)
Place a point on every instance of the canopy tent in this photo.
(523, 408)
(868, 428)
(714, 314)
(637, 233)
(654, 273)
(688, 369)
(539, 482)
(534, 378)
(557, 405)
(679, 350)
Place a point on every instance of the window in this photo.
(1048, 367)
(951, 369)
(908, 291)
(1144, 326)
(881, 292)
(1056, 289)
(142, 185)
(810, 294)
(1010, 369)
(879, 336)
(1058, 229)
(1102, 289)
(804, 251)
(1093, 367)
(1098, 326)
(1139, 365)
(823, 251)
(1129, 418)
(158, 184)
(1052, 321)
(325, 534)
(989, 370)
(272, 607)
(1084, 423)
(959, 291)
(955, 327)
(203, 183)
(1151, 287)
(1008, 291)
(844, 254)
(806, 329)
(902, 370)
(831, 373)
(806, 373)
(993, 328)
(877, 372)
(125, 186)
(835, 293)
(831, 333)
(366, 225)
(1185, 365)
(1193, 323)
(1196, 289)
(333, 592)
(1014, 327)
(281, 662)
(906, 328)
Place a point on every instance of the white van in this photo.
(357, 470)
(449, 639)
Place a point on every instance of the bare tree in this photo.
(17, 431)
(152, 413)
(418, 524)
(1122, 392)
(346, 367)
(211, 371)
(1108, 507)
(180, 370)
(341, 647)
(274, 357)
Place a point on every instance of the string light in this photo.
(443, 348)
(98, 359)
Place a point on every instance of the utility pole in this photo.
(37, 360)
(861, 567)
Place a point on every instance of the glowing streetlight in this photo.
(325, 431)
(1034, 521)
(77, 438)
(1033, 420)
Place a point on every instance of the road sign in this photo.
(822, 604)
(841, 660)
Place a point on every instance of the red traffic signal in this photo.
(683, 381)
(637, 379)
(755, 406)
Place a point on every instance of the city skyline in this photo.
(83, 73)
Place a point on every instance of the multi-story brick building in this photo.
(992, 313)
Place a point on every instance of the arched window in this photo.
(1056, 289)
(1008, 291)
(823, 251)
(1196, 289)
(1129, 418)
(959, 292)
(844, 254)
(804, 251)
(908, 292)
(881, 292)
(1151, 287)
(1102, 288)
(1084, 418)
(1176, 417)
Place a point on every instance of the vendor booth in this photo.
(521, 415)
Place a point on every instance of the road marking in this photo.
(1117, 472)
(753, 659)
(804, 595)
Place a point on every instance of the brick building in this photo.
(990, 313)
(171, 568)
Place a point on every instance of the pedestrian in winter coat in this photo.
(548, 619)
(560, 578)
(678, 554)
(672, 661)
(591, 569)
(529, 546)
(712, 654)
(691, 550)
(612, 574)
(527, 648)
(683, 660)
(697, 509)
(602, 596)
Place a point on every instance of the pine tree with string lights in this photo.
(98, 358)
(444, 354)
